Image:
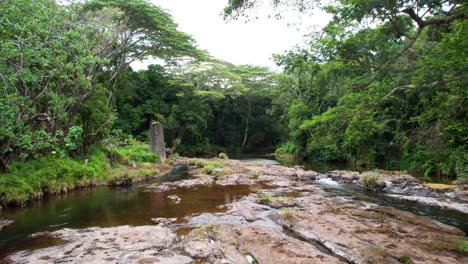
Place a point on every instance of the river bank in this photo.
(278, 214)
(54, 174)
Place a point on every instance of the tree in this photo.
(379, 85)
(138, 30)
(47, 64)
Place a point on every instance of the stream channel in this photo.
(114, 206)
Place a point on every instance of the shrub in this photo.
(209, 169)
(219, 174)
(370, 179)
(255, 173)
(223, 155)
(286, 213)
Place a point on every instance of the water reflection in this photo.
(113, 206)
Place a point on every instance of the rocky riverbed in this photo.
(286, 218)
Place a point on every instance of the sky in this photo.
(238, 42)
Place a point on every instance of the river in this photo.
(114, 206)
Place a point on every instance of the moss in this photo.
(264, 198)
(405, 260)
(376, 254)
(202, 231)
(439, 186)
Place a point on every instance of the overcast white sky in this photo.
(238, 42)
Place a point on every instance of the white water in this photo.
(327, 181)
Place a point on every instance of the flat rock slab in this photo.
(123, 244)
(244, 244)
(360, 233)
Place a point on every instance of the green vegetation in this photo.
(53, 174)
(382, 85)
(286, 213)
(137, 152)
(255, 174)
(405, 260)
(370, 179)
(389, 94)
(223, 155)
(203, 230)
(265, 198)
(463, 246)
(208, 169)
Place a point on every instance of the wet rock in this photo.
(174, 198)
(167, 186)
(123, 244)
(5, 222)
(391, 177)
(461, 192)
(277, 170)
(305, 175)
(367, 233)
(159, 188)
(344, 176)
(281, 183)
(440, 202)
(163, 221)
(215, 219)
(236, 179)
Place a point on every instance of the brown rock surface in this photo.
(239, 244)
(365, 233)
(123, 244)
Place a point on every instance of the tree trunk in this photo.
(157, 140)
(180, 135)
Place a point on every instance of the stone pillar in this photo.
(157, 140)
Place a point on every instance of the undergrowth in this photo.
(54, 174)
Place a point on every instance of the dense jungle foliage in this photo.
(382, 85)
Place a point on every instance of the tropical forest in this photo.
(234, 131)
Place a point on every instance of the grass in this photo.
(264, 198)
(137, 152)
(203, 230)
(254, 174)
(208, 167)
(463, 246)
(286, 213)
(223, 155)
(370, 179)
(53, 174)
